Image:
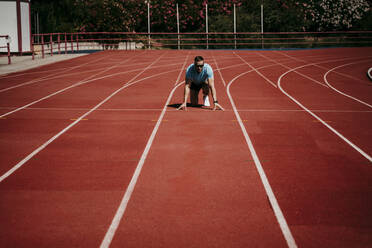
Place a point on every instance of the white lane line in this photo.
(230, 66)
(364, 154)
(47, 77)
(302, 110)
(253, 63)
(128, 193)
(311, 79)
(239, 110)
(315, 64)
(183, 66)
(33, 72)
(40, 148)
(369, 73)
(270, 194)
(72, 86)
(342, 93)
(268, 80)
(219, 71)
(322, 67)
(86, 71)
(56, 76)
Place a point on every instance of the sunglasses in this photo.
(200, 66)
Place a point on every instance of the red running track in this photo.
(92, 156)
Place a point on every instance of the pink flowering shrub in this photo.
(334, 15)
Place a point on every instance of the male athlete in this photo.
(199, 76)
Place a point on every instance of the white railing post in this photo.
(148, 24)
(206, 23)
(178, 27)
(234, 26)
(262, 28)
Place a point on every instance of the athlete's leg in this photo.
(205, 88)
(194, 93)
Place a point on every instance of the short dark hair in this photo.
(198, 58)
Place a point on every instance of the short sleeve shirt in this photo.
(198, 78)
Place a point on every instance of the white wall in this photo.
(8, 25)
(25, 20)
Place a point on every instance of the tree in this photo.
(327, 15)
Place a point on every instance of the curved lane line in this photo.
(369, 73)
(40, 148)
(275, 61)
(219, 71)
(268, 80)
(270, 194)
(342, 93)
(364, 154)
(322, 67)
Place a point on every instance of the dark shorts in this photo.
(197, 87)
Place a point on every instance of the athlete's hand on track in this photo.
(182, 107)
(217, 106)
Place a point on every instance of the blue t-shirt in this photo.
(198, 78)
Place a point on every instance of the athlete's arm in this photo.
(214, 94)
(186, 95)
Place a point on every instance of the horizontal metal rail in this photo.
(51, 43)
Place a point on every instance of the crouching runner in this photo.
(199, 75)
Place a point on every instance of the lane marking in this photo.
(52, 78)
(159, 109)
(183, 66)
(40, 148)
(268, 80)
(269, 192)
(253, 63)
(230, 66)
(342, 93)
(69, 87)
(242, 120)
(128, 193)
(322, 67)
(84, 81)
(47, 77)
(299, 73)
(364, 154)
(86, 71)
(162, 120)
(16, 74)
(77, 119)
(219, 71)
(63, 75)
(324, 121)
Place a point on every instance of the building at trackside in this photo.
(15, 21)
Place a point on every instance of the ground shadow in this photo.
(177, 105)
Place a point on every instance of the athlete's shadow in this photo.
(177, 105)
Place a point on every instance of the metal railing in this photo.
(75, 42)
(7, 39)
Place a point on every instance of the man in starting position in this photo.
(199, 76)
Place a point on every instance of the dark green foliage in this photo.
(131, 16)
